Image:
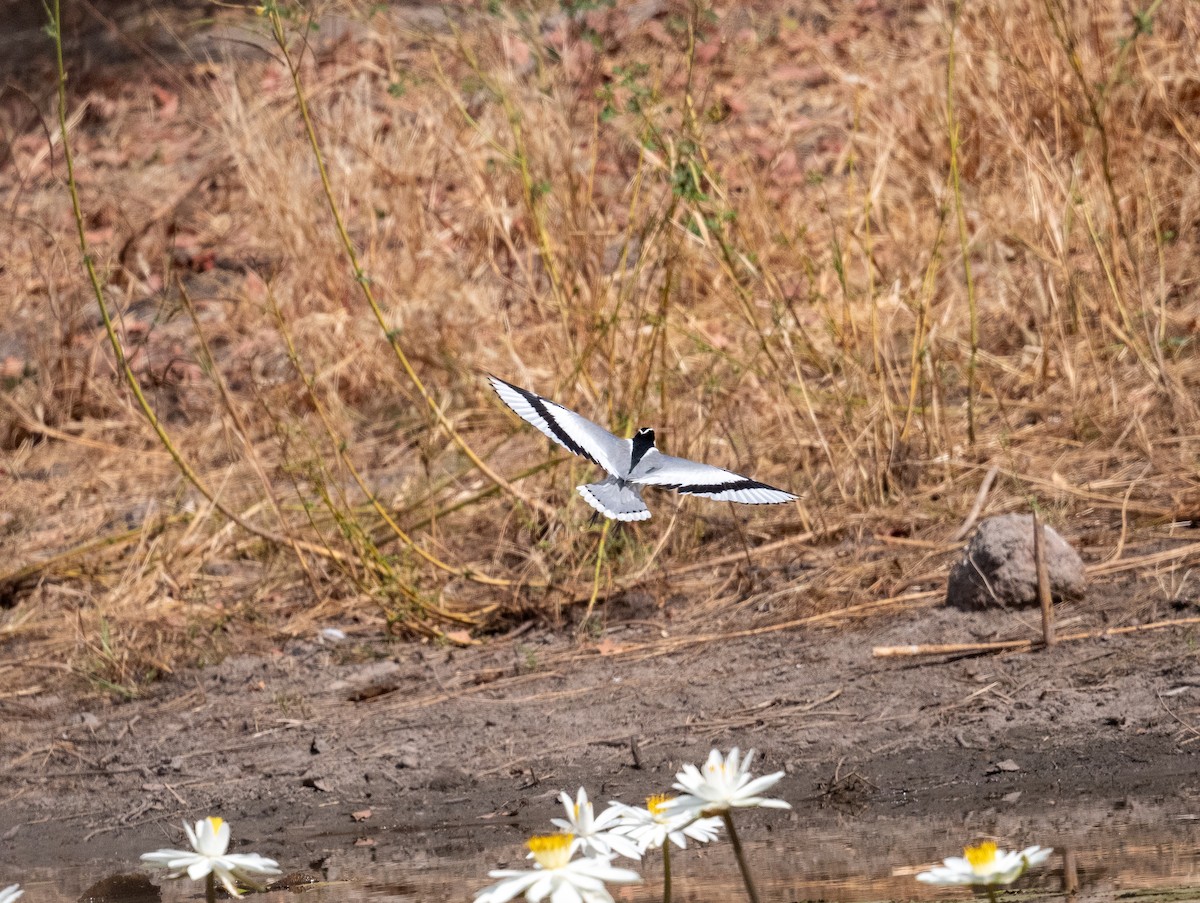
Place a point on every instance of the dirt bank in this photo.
(467, 749)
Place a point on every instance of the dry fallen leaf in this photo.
(608, 646)
(168, 102)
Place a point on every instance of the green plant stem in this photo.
(210, 888)
(596, 576)
(741, 857)
(991, 892)
(961, 214)
(666, 851)
(110, 328)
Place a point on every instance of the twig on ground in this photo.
(956, 648)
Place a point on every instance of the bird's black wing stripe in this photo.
(718, 487)
(539, 404)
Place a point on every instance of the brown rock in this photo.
(997, 568)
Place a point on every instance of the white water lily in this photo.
(985, 865)
(555, 875)
(651, 827)
(10, 893)
(594, 834)
(210, 840)
(724, 783)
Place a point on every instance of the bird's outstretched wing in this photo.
(693, 478)
(572, 431)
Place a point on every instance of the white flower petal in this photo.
(226, 879)
(514, 883)
(542, 887)
(199, 867)
(600, 870)
(252, 864)
(220, 838)
(758, 785)
(1036, 855)
(566, 893)
(172, 859)
(942, 875)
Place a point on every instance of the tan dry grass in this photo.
(761, 260)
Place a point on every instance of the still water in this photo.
(1113, 851)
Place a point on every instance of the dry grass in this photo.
(866, 254)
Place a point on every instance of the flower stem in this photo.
(666, 848)
(991, 892)
(210, 889)
(741, 858)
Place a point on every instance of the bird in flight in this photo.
(631, 463)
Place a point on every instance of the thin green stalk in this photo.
(90, 266)
(666, 851)
(210, 889)
(364, 282)
(131, 380)
(596, 577)
(961, 213)
(741, 857)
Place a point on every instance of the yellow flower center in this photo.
(657, 803)
(552, 851)
(981, 856)
(216, 821)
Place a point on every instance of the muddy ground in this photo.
(454, 752)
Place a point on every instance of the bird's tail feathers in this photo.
(613, 500)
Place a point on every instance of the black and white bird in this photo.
(631, 463)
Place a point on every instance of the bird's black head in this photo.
(643, 441)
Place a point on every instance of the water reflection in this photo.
(848, 861)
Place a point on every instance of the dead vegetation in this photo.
(867, 252)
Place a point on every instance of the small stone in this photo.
(1006, 765)
(997, 569)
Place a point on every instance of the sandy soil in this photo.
(467, 749)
